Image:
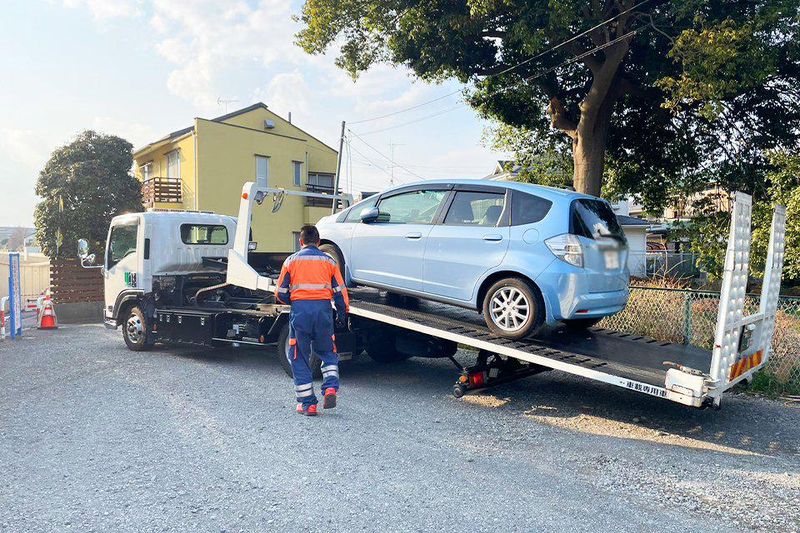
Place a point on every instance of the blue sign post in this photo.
(14, 295)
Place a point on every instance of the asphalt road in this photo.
(96, 438)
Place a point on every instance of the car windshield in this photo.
(595, 219)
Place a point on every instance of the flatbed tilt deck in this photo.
(235, 307)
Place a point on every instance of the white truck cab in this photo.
(141, 246)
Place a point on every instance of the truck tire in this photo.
(283, 352)
(334, 251)
(513, 309)
(136, 330)
(580, 324)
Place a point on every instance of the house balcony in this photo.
(319, 202)
(161, 191)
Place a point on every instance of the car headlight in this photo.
(567, 247)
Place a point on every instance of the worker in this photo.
(309, 280)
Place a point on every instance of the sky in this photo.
(143, 68)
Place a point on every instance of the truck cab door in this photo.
(121, 262)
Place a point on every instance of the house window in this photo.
(262, 170)
(297, 169)
(321, 180)
(296, 239)
(147, 171)
(174, 165)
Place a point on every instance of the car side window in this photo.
(475, 209)
(122, 243)
(354, 215)
(527, 208)
(413, 207)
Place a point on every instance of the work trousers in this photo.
(311, 327)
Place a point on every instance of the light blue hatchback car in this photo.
(523, 255)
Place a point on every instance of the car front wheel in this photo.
(513, 309)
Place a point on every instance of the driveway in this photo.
(94, 437)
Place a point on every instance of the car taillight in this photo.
(567, 247)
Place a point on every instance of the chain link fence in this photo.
(690, 317)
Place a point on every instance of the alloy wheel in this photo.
(509, 309)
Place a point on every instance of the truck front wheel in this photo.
(136, 330)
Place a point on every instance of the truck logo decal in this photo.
(130, 279)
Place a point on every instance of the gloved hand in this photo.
(341, 319)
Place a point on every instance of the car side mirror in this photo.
(83, 248)
(370, 215)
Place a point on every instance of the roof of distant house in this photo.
(222, 118)
(625, 220)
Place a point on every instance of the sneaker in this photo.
(311, 411)
(330, 399)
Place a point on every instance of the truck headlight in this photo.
(566, 247)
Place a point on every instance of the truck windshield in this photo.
(595, 219)
(121, 243)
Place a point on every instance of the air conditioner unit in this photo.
(269, 124)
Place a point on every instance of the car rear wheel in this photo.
(136, 330)
(513, 309)
(333, 251)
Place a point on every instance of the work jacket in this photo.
(311, 274)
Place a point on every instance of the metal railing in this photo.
(319, 202)
(690, 317)
(658, 263)
(161, 190)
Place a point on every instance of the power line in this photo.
(504, 89)
(513, 67)
(458, 106)
(389, 159)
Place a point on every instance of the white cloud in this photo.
(204, 39)
(23, 147)
(135, 132)
(107, 9)
(287, 92)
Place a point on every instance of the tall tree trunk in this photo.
(588, 159)
(590, 132)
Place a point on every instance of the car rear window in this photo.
(594, 219)
(528, 208)
(204, 234)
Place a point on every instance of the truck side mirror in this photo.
(83, 248)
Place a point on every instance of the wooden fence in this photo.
(71, 283)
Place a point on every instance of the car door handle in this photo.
(414, 235)
(493, 237)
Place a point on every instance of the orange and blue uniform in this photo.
(309, 280)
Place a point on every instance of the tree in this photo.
(669, 95)
(17, 238)
(708, 231)
(83, 186)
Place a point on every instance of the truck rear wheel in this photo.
(382, 348)
(285, 351)
(136, 330)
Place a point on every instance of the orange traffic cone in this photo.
(47, 318)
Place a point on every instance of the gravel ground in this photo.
(96, 438)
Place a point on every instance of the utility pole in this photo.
(335, 203)
(391, 153)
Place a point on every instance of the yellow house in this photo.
(203, 167)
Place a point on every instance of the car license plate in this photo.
(612, 259)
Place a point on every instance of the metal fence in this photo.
(690, 317)
(661, 263)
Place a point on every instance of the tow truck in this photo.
(174, 278)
